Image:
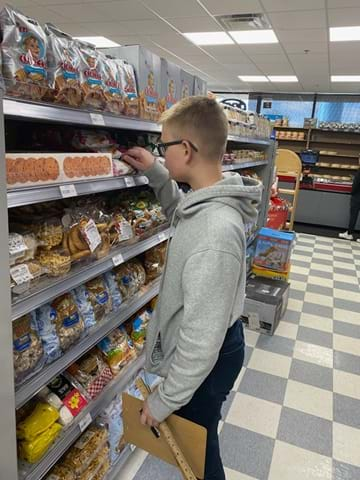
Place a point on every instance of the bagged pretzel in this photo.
(91, 76)
(128, 82)
(24, 48)
(64, 67)
(113, 89)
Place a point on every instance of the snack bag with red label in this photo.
(113, 89)
(24, 48)
(68, 394)
(91, 76)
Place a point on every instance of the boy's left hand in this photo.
(146, 418)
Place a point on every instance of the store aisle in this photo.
(294, 413)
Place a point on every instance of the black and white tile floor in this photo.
(294, 413)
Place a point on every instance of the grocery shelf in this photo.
(27, 390)
(340, 155)
(290, 140)
(340, 167)
(253, 141)
(31, 195)
(42, 112)
(47, 289)
(241, 165)
(69, 435)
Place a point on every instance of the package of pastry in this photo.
(64, 67)
(113, 89)
(91, 76)
(128, 82)
(24, 49)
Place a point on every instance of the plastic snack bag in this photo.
(118, 349)
(23, 47)
(99, 297)
(128, 82)
(110, 282)
(113, 89)
(41, 419)
(84, 305)
(70, 396)
(64, 67)
(91, 76)
(33, 450)
(46, 325)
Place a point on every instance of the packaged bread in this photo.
(154, 261)
(91, 76)
(113, 89)
(24, 276)
(128, 82)
(28, 351)
(83, 236)
(24, 49)
(61, 472)
(31, 169)
(117, 349)
(83, 452)
(22, 248)
(32, 450)
(96, 464)
(49, 232)
(99, 297)
(56, 262)
(113, 289)
(120, 229)
(64, 67)
(69, 323)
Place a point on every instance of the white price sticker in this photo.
(85, 422)
(68, 190)
(97, 119)
(21, 274)
(118, 259)
(162, 237)
(92, 235)
(130, 181)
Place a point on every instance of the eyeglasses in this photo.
(162, 147)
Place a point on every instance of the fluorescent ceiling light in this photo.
(344, 34)
(100, 42)
(209, 38)
(253, 78)
(254, 36)
(283, 78)
(345, 78)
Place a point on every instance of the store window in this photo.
(338, 108)
(295, 108)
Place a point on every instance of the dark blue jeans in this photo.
(205, 406)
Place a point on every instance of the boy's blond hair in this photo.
(201, 120)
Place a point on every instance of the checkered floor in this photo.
(294, 413)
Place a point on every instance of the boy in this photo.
(195, 340)
(354, 208)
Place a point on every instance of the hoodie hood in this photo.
(241, 193)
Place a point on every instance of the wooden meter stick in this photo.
(170, 440)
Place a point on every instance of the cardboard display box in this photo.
(273, 249)
(187, 84)
(265, 304)
(200, 86)
(170, 84)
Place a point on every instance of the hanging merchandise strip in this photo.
(68, 436)
(46, 290)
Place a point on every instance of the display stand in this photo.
(288, 165)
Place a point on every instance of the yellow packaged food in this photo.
(42, 418)
(32, 451)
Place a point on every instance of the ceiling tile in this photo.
(76, 11)
(167, 9)
(78, 29)
(344, 17)
(273, 69)
(342, 3)
(309, 58)
(303, 20)
(141, 27)
(245, 69)
(267, 49)
(230, 7)
(312, 35)
(277, 58)
(124, 10)
(202, 24)
(227, 53)
(43, 14)
(289, 5)
(57, 2)
(299, 47)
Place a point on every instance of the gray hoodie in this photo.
(203, 285)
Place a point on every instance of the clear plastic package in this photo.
(117, 349)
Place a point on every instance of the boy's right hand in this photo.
(140, 158)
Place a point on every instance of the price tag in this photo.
(68, 190)
(85, 422)
(118, 259)
(97, 119)
(21, 274)
(162, 237)
(130, 182)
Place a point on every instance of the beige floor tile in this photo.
(347, 344)
(346, 279)
(255, 414)
(309, 399)
(346, 266)
(324, 256)
(319, 323)
(346, 444)
(324, 248)
(322, 282)
(251, 337)
(343, 243)
(347, 316)
(294, 463)
(300, 270)
(314, 354)
(319, 299)
(295, 305)
(300, 258)
(304, 249)
(321, 267)
(269, 362)
(286, 329)
(346, 255)
(239, 378)
(295, 285)
(347, 384)
(234, 475)
(310, 240)
(347, 295)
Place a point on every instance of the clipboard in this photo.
(190, 437)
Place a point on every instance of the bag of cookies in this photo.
(154, 261)
(113, 89)
(64, 67)
(28, 169)
(24, 49)
(128, 82)
(56, 262)
(28, 351)
(69, 323)
(91, 76)
(24, 276)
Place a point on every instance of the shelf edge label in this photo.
(117, 259)
(97, 119)
(68, 190)
(85, 422)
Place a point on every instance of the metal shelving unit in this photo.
(69, 435)
(46, 290)
(27, 390)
